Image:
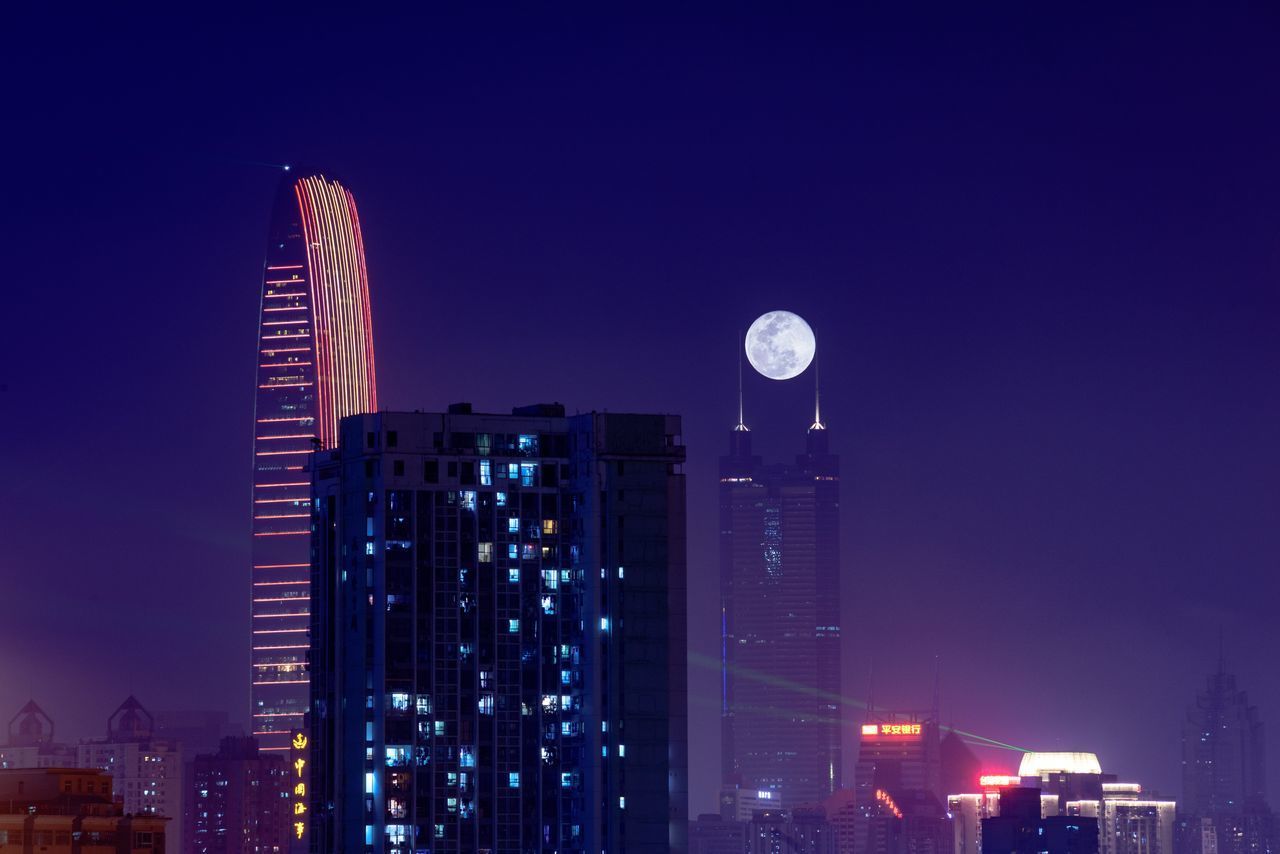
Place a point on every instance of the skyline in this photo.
(1047, 347)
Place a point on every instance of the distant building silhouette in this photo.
(1224, 807)
(781, 711)
(30, 742)
(498, 634)
(147, 770)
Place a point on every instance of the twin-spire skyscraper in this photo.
(780, 617)
(314, 367)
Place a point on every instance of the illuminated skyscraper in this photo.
(780, 619)
(315, 365)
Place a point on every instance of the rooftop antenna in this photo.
(871, 692)
(741, 426)
(937, 686)
(817, 399)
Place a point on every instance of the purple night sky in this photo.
(1038, 248)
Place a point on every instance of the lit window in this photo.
(513, 575)
(500, 498)
(484, 552)
(513, 525)
(604, 624)
(513, 779)
(513, 551)
(548, 526)
(513, 626)
(486, 473)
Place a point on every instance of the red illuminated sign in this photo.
(996, 781)
(891, 729)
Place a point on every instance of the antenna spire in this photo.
(742, 425)
(937, 686)
(817, 400)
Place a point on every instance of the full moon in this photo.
(780, 345)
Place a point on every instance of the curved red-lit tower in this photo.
(315, 366)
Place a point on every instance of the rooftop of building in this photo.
(1041, 764)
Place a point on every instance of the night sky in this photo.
(1038, 245)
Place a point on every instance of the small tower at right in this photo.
(1224, 807)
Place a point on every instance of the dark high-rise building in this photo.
(799, 831)
(498, 634)
(1224, 781)
(780, 619)
(1020, 828)
(898, 752)
(315, 365)
(714, 834)
(240, 801)
(912, 821)
(960, 769)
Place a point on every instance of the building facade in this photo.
(499, 634)
(241, 801)
(781, 710)
(146, 770)
(71, 811)
(315, 365)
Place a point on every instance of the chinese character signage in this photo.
(298, 768)
(891, 729)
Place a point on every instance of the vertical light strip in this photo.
(339, 287)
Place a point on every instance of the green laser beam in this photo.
(706, 662)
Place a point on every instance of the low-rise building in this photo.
(66, 810)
